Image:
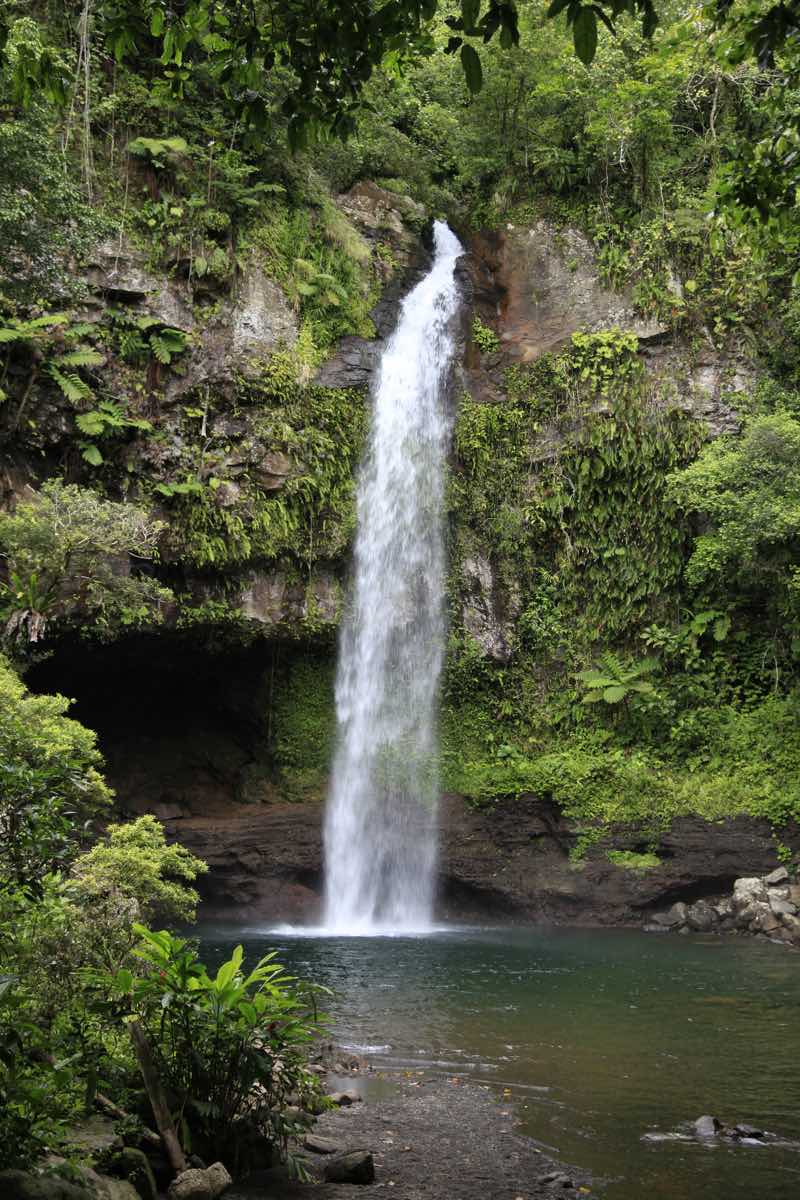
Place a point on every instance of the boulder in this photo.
(104, 1188)
(791, 925)
(344, 1099)
(766, 922)
(355, 1166)
(745, 917)
(320, 1145)
(218, 1177)
(134, 1165)
(741, 1130)
(747, 892)
(198, 1183)
(672, 917)
(707, 1127)
(19, 1185)
(783, 907)
(779, 875)
(191, 1185)
(701, 917)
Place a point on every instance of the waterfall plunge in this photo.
(381, 820)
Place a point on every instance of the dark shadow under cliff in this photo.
(184, 726)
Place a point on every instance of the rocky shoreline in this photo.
(766, 907)
(433, 1139)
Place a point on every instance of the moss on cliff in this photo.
(304, 725)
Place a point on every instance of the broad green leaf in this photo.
(91, 423)
(473, 72)
(225, 974)
(722, 627)
(613, 695)
(469, 12)
(584, 35)
(91, 455)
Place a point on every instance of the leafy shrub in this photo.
(227, 1047)
(485, 338)
(135, 861)
(68, 553)
(49, 782)
(745, 490)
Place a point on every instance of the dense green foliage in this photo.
(136, 860)
(227, 1045)
(68, 554)
(50, 783)
(76, 968)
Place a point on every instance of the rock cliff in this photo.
(241, 722)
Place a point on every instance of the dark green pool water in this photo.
(603, 1037)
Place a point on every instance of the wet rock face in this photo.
(545, 285)
(251, 323)
(391, 224)
(537, 285)
(487, 613)
(510, 863)
(272, 599)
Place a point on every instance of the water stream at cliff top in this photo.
(381, 816)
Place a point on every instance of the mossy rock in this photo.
(134, 1165)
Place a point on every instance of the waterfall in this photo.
(381, 824)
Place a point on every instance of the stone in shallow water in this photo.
(701, 917)
(741, 1130)
(320, 1145)
(707, 1127)
(343, 1099)
(673, 916)
(356, 1166)
(557, 1179)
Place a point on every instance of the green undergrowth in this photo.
(579, 456)
(226, 506)
(645, 581)
(304, 725)
(750, 765)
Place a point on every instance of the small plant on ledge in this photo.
(484, 338)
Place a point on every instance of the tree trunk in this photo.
(158, 1101)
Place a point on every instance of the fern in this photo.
(72, 386)
(82, 357)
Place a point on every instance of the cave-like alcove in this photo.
(184, 726)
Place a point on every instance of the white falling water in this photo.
(381, 819)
